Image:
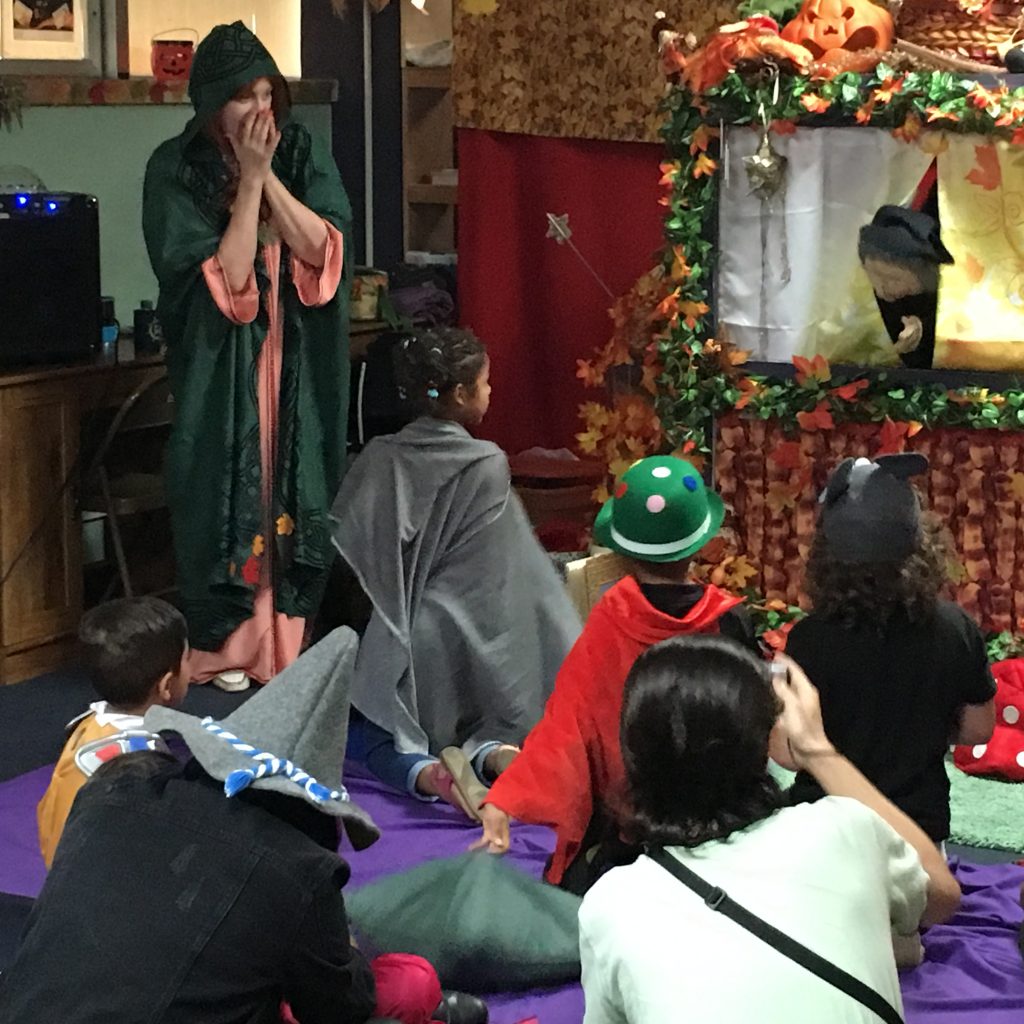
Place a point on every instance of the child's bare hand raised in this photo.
(801, 713)
(496, 830)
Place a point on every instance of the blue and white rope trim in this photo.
(268, 764)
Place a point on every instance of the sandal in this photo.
(471, 790)
(444, 785)
(233, 681)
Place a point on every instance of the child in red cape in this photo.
(569, 774)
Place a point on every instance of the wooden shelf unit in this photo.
(427, 78)
(432, 195)
(428, 142)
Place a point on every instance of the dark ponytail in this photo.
(696, 716)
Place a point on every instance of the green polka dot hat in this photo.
(661, 512)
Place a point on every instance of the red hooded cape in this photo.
(571, 759)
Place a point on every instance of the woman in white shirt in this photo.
(698, 721)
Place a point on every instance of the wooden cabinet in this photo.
(41, 415)
(40, 541)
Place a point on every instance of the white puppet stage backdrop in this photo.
(789, 278)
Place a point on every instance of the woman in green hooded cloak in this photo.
(245, 219)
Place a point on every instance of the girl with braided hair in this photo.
(470, 620)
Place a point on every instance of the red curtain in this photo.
(530, 300)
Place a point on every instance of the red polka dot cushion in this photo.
(1003, 755)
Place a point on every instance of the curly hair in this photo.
(696, 716)
(431, 364)
(872, 594)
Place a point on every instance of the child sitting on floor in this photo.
(698, 721)
(902, 674)
(210, 890)
(470, 620)
(135, 652)
(570, 775)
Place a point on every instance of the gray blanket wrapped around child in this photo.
(470, 620)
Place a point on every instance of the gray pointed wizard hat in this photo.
(290, 737)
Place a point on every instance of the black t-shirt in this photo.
(890, 702)
(677, 600)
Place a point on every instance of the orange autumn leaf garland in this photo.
(849, 391)
(671, 357)
(812, 369)
(820, 418)
(625, 426)
(787, 455)
(696, 386)
(704, 166)
(814, 104)
(892, 437)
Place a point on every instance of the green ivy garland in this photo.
(697, 384)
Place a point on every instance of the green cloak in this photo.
(214, 479)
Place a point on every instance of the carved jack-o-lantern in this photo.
(171, 59)
(823, 25)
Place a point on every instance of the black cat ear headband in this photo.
(902, 466)
(870, 512)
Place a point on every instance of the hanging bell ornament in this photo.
(766, 169)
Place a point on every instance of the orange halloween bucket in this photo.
(171, 58)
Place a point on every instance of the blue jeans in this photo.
(374, 747)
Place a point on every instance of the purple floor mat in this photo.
(21, 864)
(973, 970)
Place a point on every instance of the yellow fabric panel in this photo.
(981, 298)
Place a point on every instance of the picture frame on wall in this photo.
(51, 37)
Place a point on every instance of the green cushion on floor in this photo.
(485, 926)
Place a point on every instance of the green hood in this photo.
(227, 60)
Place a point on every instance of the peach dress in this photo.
(268, 642)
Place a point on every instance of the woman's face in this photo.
(257, 96)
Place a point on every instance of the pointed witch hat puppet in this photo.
(290, 737)
(901, 252)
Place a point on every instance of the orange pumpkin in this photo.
(823, 25)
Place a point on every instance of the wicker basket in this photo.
(945, 25)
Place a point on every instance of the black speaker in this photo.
(49, 278)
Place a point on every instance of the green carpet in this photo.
(985, 812)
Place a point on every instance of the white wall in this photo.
(102, 150)
(276, 22)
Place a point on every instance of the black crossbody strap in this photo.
(718, 900)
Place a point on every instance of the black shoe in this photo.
(461, 1008)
